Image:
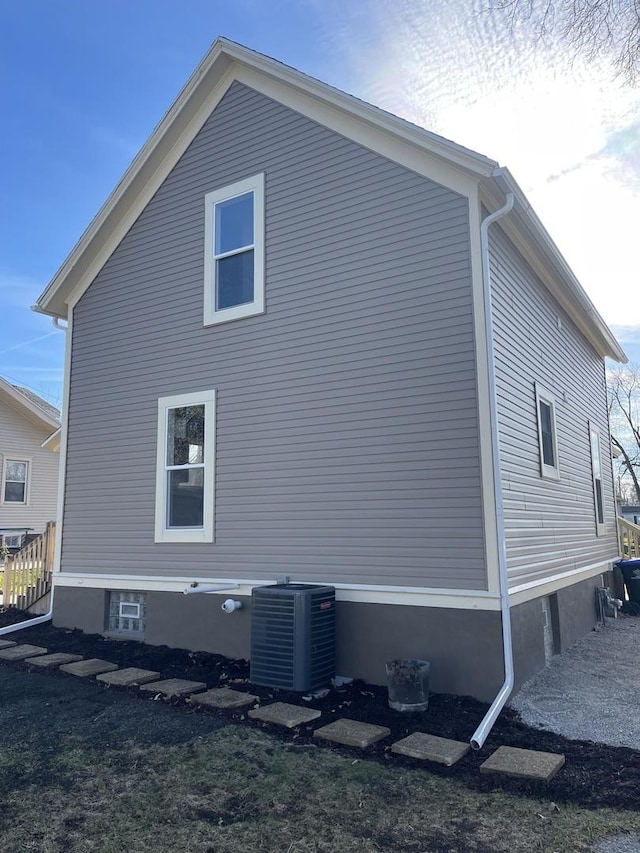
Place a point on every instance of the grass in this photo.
(238, 789)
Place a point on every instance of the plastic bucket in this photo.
(631, 574)
(408, 685)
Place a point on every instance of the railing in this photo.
(27, 574)
(629, 538)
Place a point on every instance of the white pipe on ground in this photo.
(29, 623)
(482, 732)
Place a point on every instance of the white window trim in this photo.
(601, 527)
(6, 536)
(191, 534)
(212, 316)
(27, 460)
(548, 472)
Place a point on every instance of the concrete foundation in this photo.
(463, 646)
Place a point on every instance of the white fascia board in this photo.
(532, 240)
(225, 63)
(29, 409)
(520, 593)
(366, 593)
(52, 443)
(464, 158)
(391, 139)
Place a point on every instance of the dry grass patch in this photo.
(238, 789)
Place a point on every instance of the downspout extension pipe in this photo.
(29, 623)
(482, 732)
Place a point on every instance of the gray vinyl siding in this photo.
(20, 439)
(550, 525)
(347, 434)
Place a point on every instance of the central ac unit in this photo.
(292, 636)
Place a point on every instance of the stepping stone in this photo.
(21, 652)
(523, 763)
(283, 714)
(6, 644)
(431, 748)
(54, 659)
(87, 668)
(128, 677)
(352, 733)
(223, 697)
(175, 687)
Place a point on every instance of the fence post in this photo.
(6, 592)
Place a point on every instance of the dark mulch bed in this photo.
(594, 776)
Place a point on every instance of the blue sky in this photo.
(86, 81)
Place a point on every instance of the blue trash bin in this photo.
(631, 573)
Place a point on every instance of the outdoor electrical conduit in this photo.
(212, 587)
(482, 732)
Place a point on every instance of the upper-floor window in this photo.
(596, 471)
(234, 251)
(185, 468)
(547, 437)
(15, 481)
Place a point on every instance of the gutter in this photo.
(482, 732)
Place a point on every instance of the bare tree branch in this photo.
(590, 28)
(623, 388)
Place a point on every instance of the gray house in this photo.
(294, 350)
(28, 464)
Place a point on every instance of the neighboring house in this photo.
(278, 365)
(631, 513)
(28, 464)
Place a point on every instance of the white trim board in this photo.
(372, 594)
(545, 586)
(407, 596)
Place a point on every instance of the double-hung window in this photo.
(596, 471)
(234, 251)
(15, 481)
(547, 436)
(185, 468)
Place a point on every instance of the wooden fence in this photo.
(27, 574)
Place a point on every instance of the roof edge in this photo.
(577, 302)
(19, 398)
(218, 60)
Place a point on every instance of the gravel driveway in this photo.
(590, 692)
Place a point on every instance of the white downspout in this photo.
(482, 732)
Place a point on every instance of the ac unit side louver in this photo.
(292, 636)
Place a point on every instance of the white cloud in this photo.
(568, 131)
